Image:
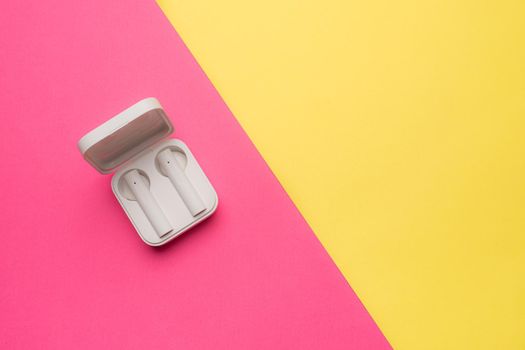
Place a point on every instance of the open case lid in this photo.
(125, 135)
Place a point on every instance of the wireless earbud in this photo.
(149, 205)
(170, 167)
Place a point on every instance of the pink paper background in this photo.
(74, 273)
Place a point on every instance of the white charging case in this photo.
(132, 140)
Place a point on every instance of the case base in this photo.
(164, 192)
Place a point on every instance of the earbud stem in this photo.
(171, 168)
(147, 202)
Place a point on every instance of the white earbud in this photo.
(146, 201)
(170, 167)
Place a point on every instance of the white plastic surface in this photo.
(130, 143)
(165, 194)
(170, 167)
(125, 135)
(141, 193)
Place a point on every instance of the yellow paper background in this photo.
(398, 129)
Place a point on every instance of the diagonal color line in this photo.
(397, 129)
(74, 274)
